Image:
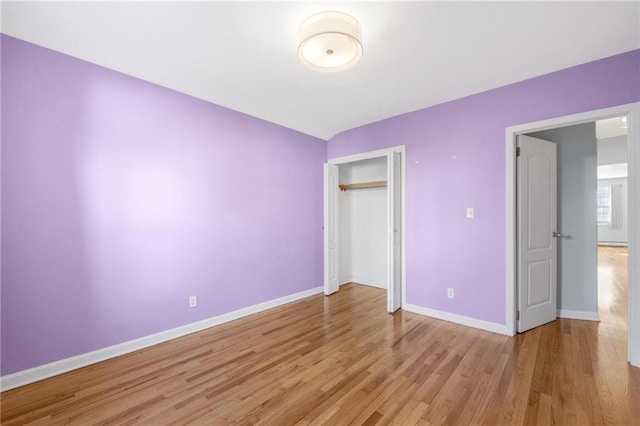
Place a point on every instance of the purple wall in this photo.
(121, 198)
(455, 159)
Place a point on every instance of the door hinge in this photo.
(517, 151)
(517, 315)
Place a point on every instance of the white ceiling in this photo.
(243, 55)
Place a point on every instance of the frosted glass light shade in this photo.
(329, 41)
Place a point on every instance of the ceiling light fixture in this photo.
(329, 42)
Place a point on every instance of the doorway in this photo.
(591, 211)
(612, 217)
(360, 182)
(575, 235)
(632, 112)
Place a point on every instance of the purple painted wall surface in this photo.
(455, 159)
(121, 198)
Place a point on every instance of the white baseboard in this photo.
(613, 243)
(369, 284)
(579, 315)
(457, 319)
(359, 280)
(41, 372)
(346, 280)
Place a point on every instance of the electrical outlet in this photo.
(193, 301)
(450, 293)
(469, 212)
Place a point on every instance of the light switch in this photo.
(469, 212)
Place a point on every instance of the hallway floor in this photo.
(612, 285)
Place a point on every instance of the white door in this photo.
(536, 230)
(394, 235)
(331, 279)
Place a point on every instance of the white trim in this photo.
(383, 153)
(367, 155)
(355, 279)
(41, 372)
(371, 283)
(633, 120)
(457, 319)
(632, 111)
(403, 162)
(578, 315)
(612, 244)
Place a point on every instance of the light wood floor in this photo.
(342, 360)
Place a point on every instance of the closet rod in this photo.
(374, 184)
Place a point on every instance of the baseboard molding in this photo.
(45, 371)
(369, 284)
(612, 244)
(359, 280)
(579, 315)
(457, 319)
(347, 280)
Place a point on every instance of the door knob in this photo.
(557, 234)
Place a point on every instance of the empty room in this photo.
(320, 213)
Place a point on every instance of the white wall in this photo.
(363, 222)
(612, 150)
(612, 162)
(577, 180)
(617, 236)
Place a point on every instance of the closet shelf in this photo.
(374, 184)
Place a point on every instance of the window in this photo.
(603, 205)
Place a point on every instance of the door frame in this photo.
(377, 154)
(632, 111)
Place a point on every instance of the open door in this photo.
(536, 232)
(394, 242)
(331, 279)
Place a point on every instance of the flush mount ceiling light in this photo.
(329, 42)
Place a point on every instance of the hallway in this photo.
(612, 295)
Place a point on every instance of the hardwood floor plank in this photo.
(343, 360)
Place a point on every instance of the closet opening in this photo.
(364, 223)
